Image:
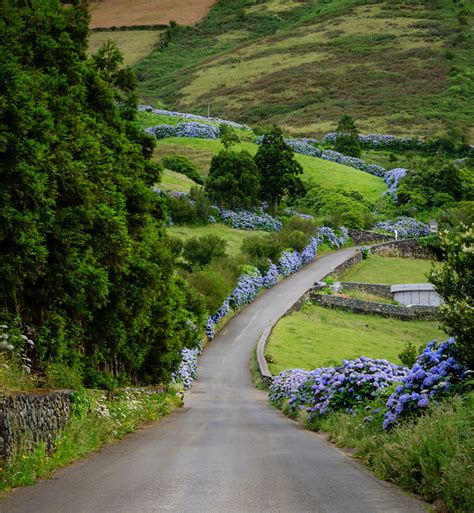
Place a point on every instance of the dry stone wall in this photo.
(404, 313)
(28, 419)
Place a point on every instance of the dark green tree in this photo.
(233, 180)
(228, 136)
(278, 169)
(200, 251)
(454, 281)
(347, 141)
(85, 261)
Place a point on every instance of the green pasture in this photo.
(392, 270)
(233, 237)
(317, 171)
(320, 337)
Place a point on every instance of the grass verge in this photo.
(232, 236)
(389, 270)
(96, 421)
(431, 457)
(319, 337)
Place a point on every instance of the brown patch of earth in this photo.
(127, 13)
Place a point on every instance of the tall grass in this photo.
(431, 456)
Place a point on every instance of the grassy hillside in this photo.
(318, 171)
(134, 44)
(233, 237)
(319, 337)
(395, 66)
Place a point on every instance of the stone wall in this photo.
(361, 237)
(377, 289)
(407, 248)
(404, 313)
(28, 419)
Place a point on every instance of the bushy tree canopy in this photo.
(84, 259)
(347, 141)
(454, 281)
(278, 169)
(233, 180)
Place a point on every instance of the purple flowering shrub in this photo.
(247, 220)
(432, 377)
(407, 227)
(191, 117)
(328, 236)
(248, 286)
(190, 129)
(286, 385)
(380, 141)
(392, 179)
(346, 386)
(270, 278)
(188, 367)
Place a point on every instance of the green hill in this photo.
(317, 171)
(396, 67)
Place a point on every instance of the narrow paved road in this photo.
(226, 451)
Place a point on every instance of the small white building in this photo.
(416, 294)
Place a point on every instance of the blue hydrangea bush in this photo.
(406, 227)
(192, 117)
(341, 388)
(247, 220)
(434, 374)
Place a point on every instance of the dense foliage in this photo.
(278, 169)
(85, 262)
(454, 281)
(183, 165)
(347, 140)
(233, 181)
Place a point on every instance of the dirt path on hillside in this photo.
(118, 13)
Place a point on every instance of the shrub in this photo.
(434, 374)
(347, 141)
(233, 180)
(200, 251)
(183, 165)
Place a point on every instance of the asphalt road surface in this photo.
(226, 450)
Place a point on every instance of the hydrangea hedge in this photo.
(381, 141)
(350, 386)
(191, 117)
(406, 227)
(433, 375)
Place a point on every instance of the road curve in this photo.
(226, 450)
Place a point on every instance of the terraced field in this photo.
(123, 13)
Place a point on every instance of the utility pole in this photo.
(209, 108)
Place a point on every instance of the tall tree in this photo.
(278, 169)
(454, 281)
(347, 141)
(84, 258)
(233, 180)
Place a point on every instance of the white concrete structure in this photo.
(416, 294)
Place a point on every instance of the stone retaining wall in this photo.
(407, 248)
(28, 419)
(361, 237)
(404, 313)
(377, 289)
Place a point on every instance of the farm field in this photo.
(233, 237)
(317, 171)
(319, 337)
(123, 13)
(134, 44)
(391, 65)
(391, 270)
